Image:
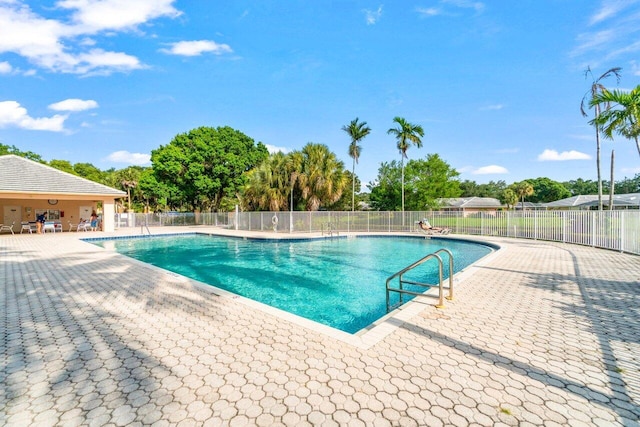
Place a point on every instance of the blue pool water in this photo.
(339, 282)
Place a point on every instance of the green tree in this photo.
(429, 180)
(268, 185)
(63, 165)
(490, 189)
(580, 186)
(623, 117)
(386, 194)
(509, 198)
(629, 185)
(405, 133)
(522, 189)
(206, 167)
(90, 172)
(12, 149)
(357, 131)
(127, 180)
(322, 179)
(546, 190)
(348, 197)
(597, 88)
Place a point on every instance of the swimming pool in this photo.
(339, 282)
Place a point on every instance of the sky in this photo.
(496, 85)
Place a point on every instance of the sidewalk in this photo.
(539, 334)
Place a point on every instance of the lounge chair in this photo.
(428, 229)
(26, 226)
(49, 225)
(83, 225)
(7, 227)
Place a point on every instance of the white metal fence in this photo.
(618, 230)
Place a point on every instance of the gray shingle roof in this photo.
(632, 199)
(470, 202)
(18, 174)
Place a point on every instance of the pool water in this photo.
(339, 282)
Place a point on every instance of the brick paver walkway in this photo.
(539, 334)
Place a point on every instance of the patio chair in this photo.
(49, 225)
(84, 225)
(7, 227)
(429, 230)
(26, 226)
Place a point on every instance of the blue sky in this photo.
(496, 85)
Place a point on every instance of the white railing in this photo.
(618, 230)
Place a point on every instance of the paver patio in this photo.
(539, 334)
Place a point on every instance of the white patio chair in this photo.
(7, 227)
(26, 226)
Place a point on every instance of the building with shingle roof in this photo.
(620, 201)
(471, 204)
(28, 188)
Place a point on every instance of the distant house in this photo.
(590, 202)
(28, 188)
(471, 205)
(529, 206)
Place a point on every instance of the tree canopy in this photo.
(205, 167)
(426, 181)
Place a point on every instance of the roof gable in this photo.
(18, 174)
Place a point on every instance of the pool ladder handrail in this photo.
(330, 229)
(145, 225)
(400, 273)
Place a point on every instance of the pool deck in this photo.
(539, 333)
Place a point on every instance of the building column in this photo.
(108, 215)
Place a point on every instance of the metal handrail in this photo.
(401, 281)
(450, 297)
(145, 225)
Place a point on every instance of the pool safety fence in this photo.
(616, 230)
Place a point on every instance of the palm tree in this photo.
(268, 184)
(624, 120)
(406, 133)
(597, 88)
(523, 189)
(357, 132)
(322, 177)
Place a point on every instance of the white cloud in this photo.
(197, 47)
(466, 4)
(429, 11)
(12, 114)
(489, 170)
(608, 10)
(493, 107)
(5, 67)
(92, 16)
(130, 158)
(73, 104)
(553, 155)
(273, 149)
(61, 45)
(446, 7)
(373, 16)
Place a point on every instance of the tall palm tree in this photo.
(523, 189)
(406, 133)
(268, 184)
(357, 131)
(625, 119)
(322, 177)
(596, 88)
